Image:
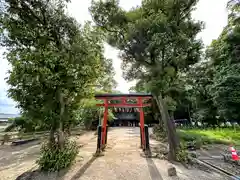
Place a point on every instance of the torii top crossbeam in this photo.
(118, 96)
(124, 97)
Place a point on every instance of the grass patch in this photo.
(211, 136)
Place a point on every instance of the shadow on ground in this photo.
(40, 175)
(61, 175)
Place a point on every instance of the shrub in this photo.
(182, 154)
(5, 139)
(159, 131)
(52, 158)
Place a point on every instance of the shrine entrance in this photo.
(136, 100)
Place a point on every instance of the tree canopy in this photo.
(157, 42)
(55, 61)
(206, 90)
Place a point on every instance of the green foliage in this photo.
(156, 40)
(88, 112)
(211, 89)
(55, 61)
(199, 79)
(225, 92)
(171, 104)
(157, 43)
(53, 158)
(209, 136)
(160, 132)
(182, 154)
(223, 54)
(25, 124)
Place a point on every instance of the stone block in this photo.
(227, 157)
(238, 162)
(171, 171)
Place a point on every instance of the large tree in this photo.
(213, 87)
(199, 80)
(156, 41)
(55, 61)
(224, 54)
(55, 64)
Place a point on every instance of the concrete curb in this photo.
(216, 169)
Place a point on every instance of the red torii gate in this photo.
(140, 97)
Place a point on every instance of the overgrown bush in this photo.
(182, 154)
(159, 132)
(52, 158)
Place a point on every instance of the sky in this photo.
(212, 12)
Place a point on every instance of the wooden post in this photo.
(106, 135)
(104, 126)
(99, 132)
(141, 142)
(142, 122)
(147, 145)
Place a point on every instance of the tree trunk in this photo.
(51, 136)
(68, 130)
(189, 115)
(157, 113)
(171, 115)
(173, 139)
(61, 138)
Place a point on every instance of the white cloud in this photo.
(7, 105)
(112, 53)
(79, 10)
(212, 12)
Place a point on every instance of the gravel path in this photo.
(122, 159)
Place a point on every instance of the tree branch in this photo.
(24, 5)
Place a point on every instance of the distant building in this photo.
(129, 117)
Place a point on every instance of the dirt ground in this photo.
(15, 160)
(122, 160)
(18, 162)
